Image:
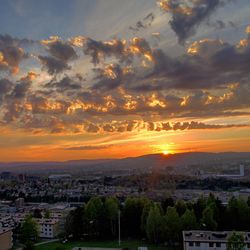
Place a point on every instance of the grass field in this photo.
(107, 244)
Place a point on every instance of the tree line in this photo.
(158, 222)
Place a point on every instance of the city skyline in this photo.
(113, 79)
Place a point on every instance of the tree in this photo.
(131, 216)
(244, 215)
(29, 231)
(207, 220)
(167, 202)
(154, 224)
(199, 207)
(144, 216)
(172, 225)
(37, 213)
(236, 242)
(111, 211)
(180, 207)
(47, 214)
(188, 220)
(94, 214)
(74, 224)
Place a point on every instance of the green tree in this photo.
(180, 207)
(111, 211)
(154, 225)
(207, 220)
(244, 215)
(188, 220)
(47, 214)
(94, 215)
(37, 213)
(74, 224)
(199, 207)
(172, 228)
(145, 212)
(236, 242)
(29, 231)
(131, 216)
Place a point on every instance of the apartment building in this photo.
(48, 228)
(210, 240)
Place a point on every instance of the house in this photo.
(6, 240)
(210, 240)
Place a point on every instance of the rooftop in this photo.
(211, 236)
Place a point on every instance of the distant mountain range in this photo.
(142, 163)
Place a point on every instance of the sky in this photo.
(85, 79)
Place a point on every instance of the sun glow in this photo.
(165, 152)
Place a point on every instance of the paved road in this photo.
(45, 242)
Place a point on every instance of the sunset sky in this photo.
(113, 78)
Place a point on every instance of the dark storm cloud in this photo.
(5, 87)
(10, 58)
(132, 81)
(167, 126)
(208, 64)
(53, 65)
(99, 49)
(92, 128)
(65, 84)
(20, 90)
(12, 52)
(130, 126)
(123, 51)
(61, 50)
(9, 41)
(187, 15)
(144, 23)
(109, 78)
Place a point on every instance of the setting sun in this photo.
(165, 152)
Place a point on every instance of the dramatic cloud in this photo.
(122, 50)
(5, 87)
(187, 15)
(82, 85)
(111, 77)
(10, 54)
(208, 64)
(65, 84)
(131, 126)
(60, 49)
(144, 23)
(53, 65)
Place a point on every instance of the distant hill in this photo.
(141, 163)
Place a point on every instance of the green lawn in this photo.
(107, 244)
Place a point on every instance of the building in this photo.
(6, 240)
(234, 176)
(48, 228)
(60, 178)
(209, 240)
(19, 202)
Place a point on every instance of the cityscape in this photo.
(125, 125)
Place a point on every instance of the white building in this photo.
(209, 240)
(240, 175)
(48, 228)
